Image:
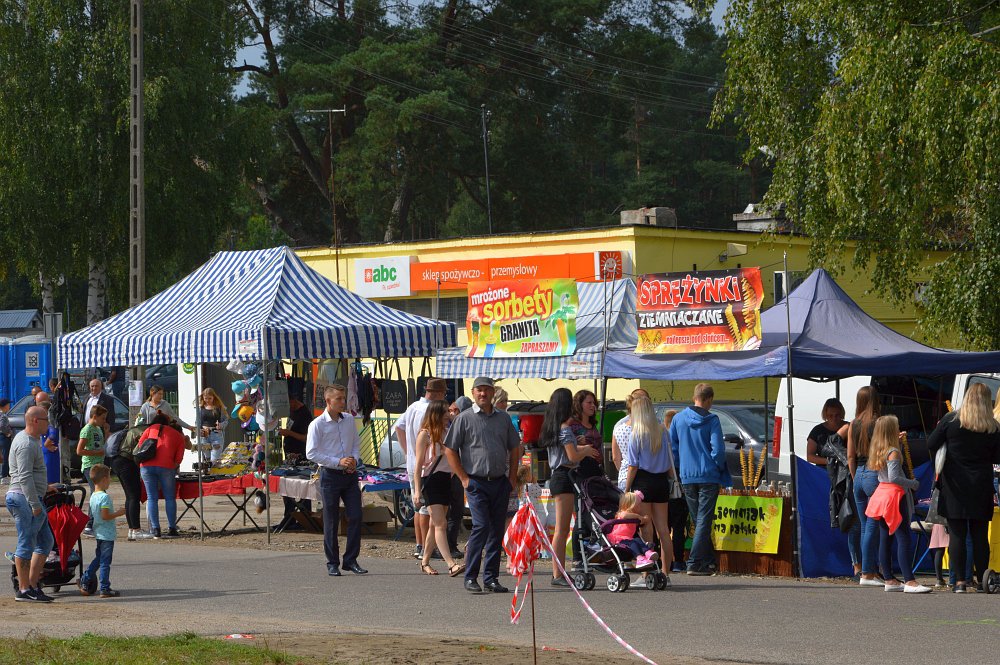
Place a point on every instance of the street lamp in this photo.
(333, 203)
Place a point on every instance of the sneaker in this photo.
(9, 556)
(870, 581)
(960, 587)
(559, 581)
(82, 586)
(893, 587)
(653, 555)
(88, 532)
(22, 597)
(110, 593)
(173, 533)
(131, 534)
(418, 553)
(142, 535)
(42, 596)
(940, 584)
(677, 567)
(437, 555)
(699, 572)
(156, 533)
(916, 588)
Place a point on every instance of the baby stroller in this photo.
(598, 501)
(53, 576)
(991, 578)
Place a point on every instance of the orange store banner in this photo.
(456, 275)
(696, 312)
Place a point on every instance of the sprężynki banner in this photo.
(531, 317)
(697, 312)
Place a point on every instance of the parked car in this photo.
(164, 376)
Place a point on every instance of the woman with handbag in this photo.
(432, 486)
(971, 438)
(858, 434)
(211, 420)
(159, 472)
(565, 454)
(651, 471)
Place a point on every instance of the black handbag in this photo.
(146, 450)
(847, 515)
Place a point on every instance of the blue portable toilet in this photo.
(5, 388)
(30, 365)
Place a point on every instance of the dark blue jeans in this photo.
(865, 483)
(701, 499)
(903, 548)
(488, 505)
(101, 565)
(335, 487)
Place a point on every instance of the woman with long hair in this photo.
(833, 413)
(432, 486)
(212, 419)
(584, 426)
(620, 436)
(651, 471)
(890, 505)
(972, 440)
(565, 454)
(858, 434)
(156, 403)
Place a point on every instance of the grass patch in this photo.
(186, 648)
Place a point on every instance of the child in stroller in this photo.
(600, 501)
(625, 533)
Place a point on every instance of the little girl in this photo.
(890, 505)
(624, 535)
(518, 495)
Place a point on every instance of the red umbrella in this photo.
(67, 522)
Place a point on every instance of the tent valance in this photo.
(603, 306)
(252, 305)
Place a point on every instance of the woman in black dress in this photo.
(972, 440)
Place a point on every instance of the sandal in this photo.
(426, 569)
(456, 569)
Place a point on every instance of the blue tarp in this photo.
(831, 337)
(824, 549)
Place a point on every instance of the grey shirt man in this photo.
(27, 469)
(483, 441)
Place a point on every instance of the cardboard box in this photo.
(374, 520)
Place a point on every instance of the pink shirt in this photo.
(620, 532)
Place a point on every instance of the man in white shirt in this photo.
(407, 428)
(333, 443)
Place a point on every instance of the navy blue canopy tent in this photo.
(831, 337)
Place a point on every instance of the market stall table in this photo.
(227, 486)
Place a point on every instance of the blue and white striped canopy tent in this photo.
(253, 305)
(604, 306)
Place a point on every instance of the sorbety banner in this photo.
(747, 524)
(530, 317)
(697, 312)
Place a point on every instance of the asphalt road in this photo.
(171, 586)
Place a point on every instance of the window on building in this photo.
(453, 310)
(418, 306)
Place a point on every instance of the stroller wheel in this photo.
(616, 583)
(580, 581)
(627, 580)
(56, 589)
(591, 581)
(661, 581)
(991, 581)
(651, 582)
(13, 580)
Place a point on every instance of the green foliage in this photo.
(882, 118)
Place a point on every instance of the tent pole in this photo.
(201, 455)
(267, 450)
(796, 562)
(766, 411)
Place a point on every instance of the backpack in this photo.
(114, 445)
(146, 450)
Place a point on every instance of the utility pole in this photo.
(333, 201)
(137, 174)
(486, 159)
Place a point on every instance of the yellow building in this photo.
(428, 278)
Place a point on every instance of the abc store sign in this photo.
(382, 278)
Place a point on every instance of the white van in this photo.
(918, 402)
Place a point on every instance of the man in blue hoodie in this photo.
(697, 444)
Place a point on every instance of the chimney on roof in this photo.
(657, 216)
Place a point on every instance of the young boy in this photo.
(104, 531)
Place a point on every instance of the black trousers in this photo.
(335, 487)
(979, 530)
(128, 472)
(456, 512)
(677, 519)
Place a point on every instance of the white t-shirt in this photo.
(409, 423)
(622, 433)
